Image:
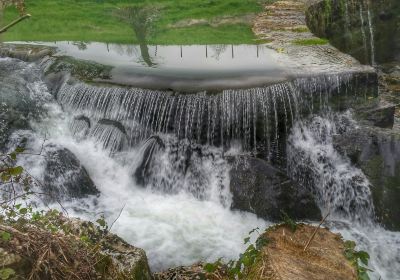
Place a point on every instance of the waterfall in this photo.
(160, 157)
(258, 118)
(372, 36)
(110, 134)
(341, 189)
(80, 127)
(364, 35)
(172, 166)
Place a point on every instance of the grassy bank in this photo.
(94, 20)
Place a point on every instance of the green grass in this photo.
(311, 42)
(93, 20)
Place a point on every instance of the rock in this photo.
(65, 177)
(260, 188)
(193, 272)
(149, 148)
(80, 69)
(381, 116)
(347, 26)
(376, 152)
(111, 134)
(283, 256)
(130, 261)
(26, 52)
(80, 126)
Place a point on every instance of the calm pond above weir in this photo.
(182, 68)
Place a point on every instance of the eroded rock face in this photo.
(65, 177)
(368, 30)
(260, 188)
(377, 152)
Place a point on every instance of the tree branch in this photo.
(5, 28)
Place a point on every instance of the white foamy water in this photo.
(173, 229)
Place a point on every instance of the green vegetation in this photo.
(355, 257)
(237, 269)
(95, 20)
(37, 244)
(311, 42)
(301, 29)
(289, 222)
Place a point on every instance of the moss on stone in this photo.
(311, 42)
(81, 69)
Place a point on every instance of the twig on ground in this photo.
(315, 232)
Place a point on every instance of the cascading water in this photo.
(258, 118)
(180, 221)
(363, 33)
(179, 211)
(341, 189)
(371, 34)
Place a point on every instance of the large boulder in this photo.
(65, 177)
(262, 189)
(144, 169)
(376, 152)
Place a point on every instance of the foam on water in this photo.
(173, 229)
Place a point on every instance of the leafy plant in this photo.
(6, 273)
(357, 257)
(52, 244)
(235, 269)
(288, 221)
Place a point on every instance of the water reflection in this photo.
(187, 57)
(141, 20)
(182, 68)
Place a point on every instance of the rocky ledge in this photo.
(283, 27)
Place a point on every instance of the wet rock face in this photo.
(18, 102)
(260, 188)
(377, 152)
(65, 177)
(369, 30)
(149, 149)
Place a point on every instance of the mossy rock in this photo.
(80, 69)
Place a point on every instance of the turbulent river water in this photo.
(185, 217)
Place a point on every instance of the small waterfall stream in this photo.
(371, 35)
(363, 33)
(342, 189)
